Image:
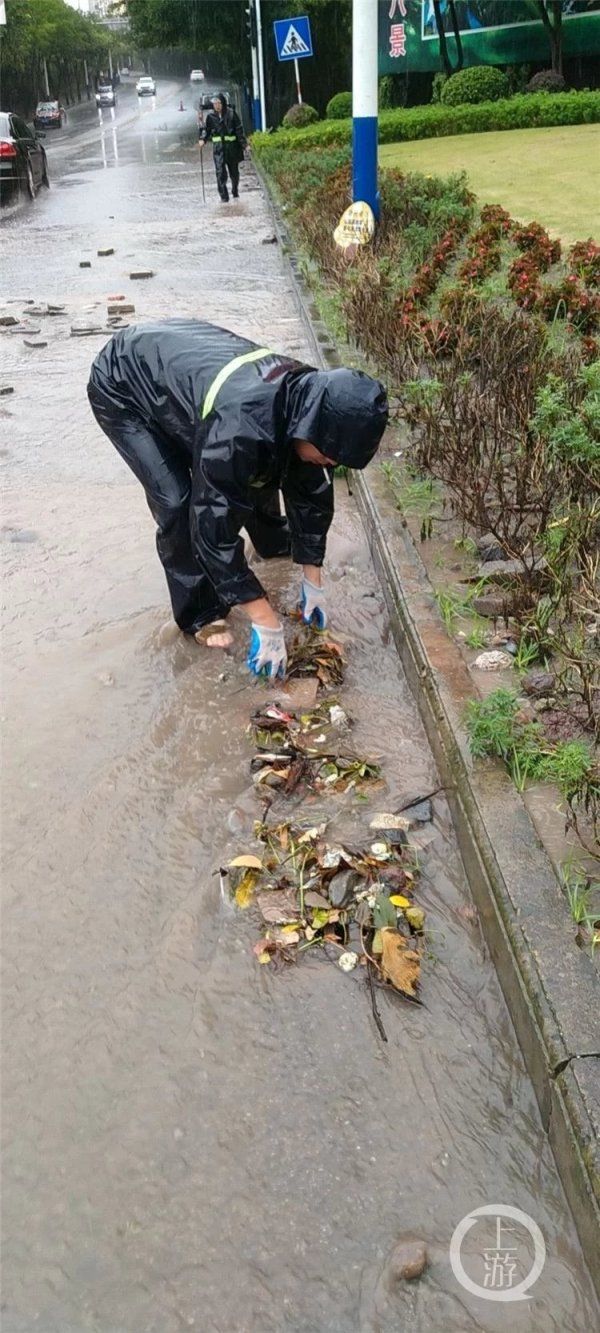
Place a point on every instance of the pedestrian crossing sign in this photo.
(293, 38)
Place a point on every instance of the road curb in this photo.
(551, 989)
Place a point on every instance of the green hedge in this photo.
(339, 107)
(481, 83)
(300, 116)
(430, 122)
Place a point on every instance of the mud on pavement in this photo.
(192, 1141)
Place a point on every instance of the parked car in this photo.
(23, 164)
(49, 115)
(145, 87)
(197, 76)
(105, 95)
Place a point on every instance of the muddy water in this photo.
(192, 1141)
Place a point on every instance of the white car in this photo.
(145, 87)
(197, 76)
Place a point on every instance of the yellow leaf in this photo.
(415, 917)
(264, 957)
(244, 893)
(291, 928)
(377, 945)
(247, 862)
(399, 901)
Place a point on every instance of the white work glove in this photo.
(267, 655)
(313, 604)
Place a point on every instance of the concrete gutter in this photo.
(551, 987)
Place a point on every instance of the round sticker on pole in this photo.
(356, 227)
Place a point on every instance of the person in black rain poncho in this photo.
(215, 428)
(224, 127)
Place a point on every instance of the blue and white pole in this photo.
(256, 111)
(364, 102)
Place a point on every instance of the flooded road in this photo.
(192, 1141)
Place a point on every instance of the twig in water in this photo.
(376, 1014)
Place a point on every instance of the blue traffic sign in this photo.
(293, 39)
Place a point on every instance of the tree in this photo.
(449, 68)
(550, 12)
(47, 34)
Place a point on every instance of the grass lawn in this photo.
(550, 175)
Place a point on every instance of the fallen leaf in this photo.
(314, 899)
(277, 907)
(399, 901)
(244, 893)
(383, 912)
(248, 862)
(284, 935)
(377, 945)
(320, 918)
(415, 917)
(400, 964)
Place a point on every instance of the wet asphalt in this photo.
(191, 1141)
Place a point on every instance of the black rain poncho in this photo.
(213, 448)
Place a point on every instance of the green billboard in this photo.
(492, 32)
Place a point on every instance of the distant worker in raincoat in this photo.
(215, 428)
(224, 129)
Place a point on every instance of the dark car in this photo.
(105, 95)
(48, 116)
(23, 164)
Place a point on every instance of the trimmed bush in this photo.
(482, 83)
(438, 84)
(339, 107)
(547, 81)
(432, 122)
(300, 116)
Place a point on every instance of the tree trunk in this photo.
(551, 16)
(444, 53)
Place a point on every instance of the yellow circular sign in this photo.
(356, 226)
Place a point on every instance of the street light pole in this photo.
(364, 102)
(261, 67)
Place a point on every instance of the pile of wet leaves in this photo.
(304, 750)
(355, 903)
(313, 653)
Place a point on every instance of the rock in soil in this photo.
(538, 684)
(5, 389)
(493, 661)
(419, 813)
(85, 263)
(6, 321)
(121, 308)
(408, 1261)
(489, 547)
(341, 886)
(108, 250)
(498, 570)
(142, 273)
(492, 605)
(31, 342)
(269, 240)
